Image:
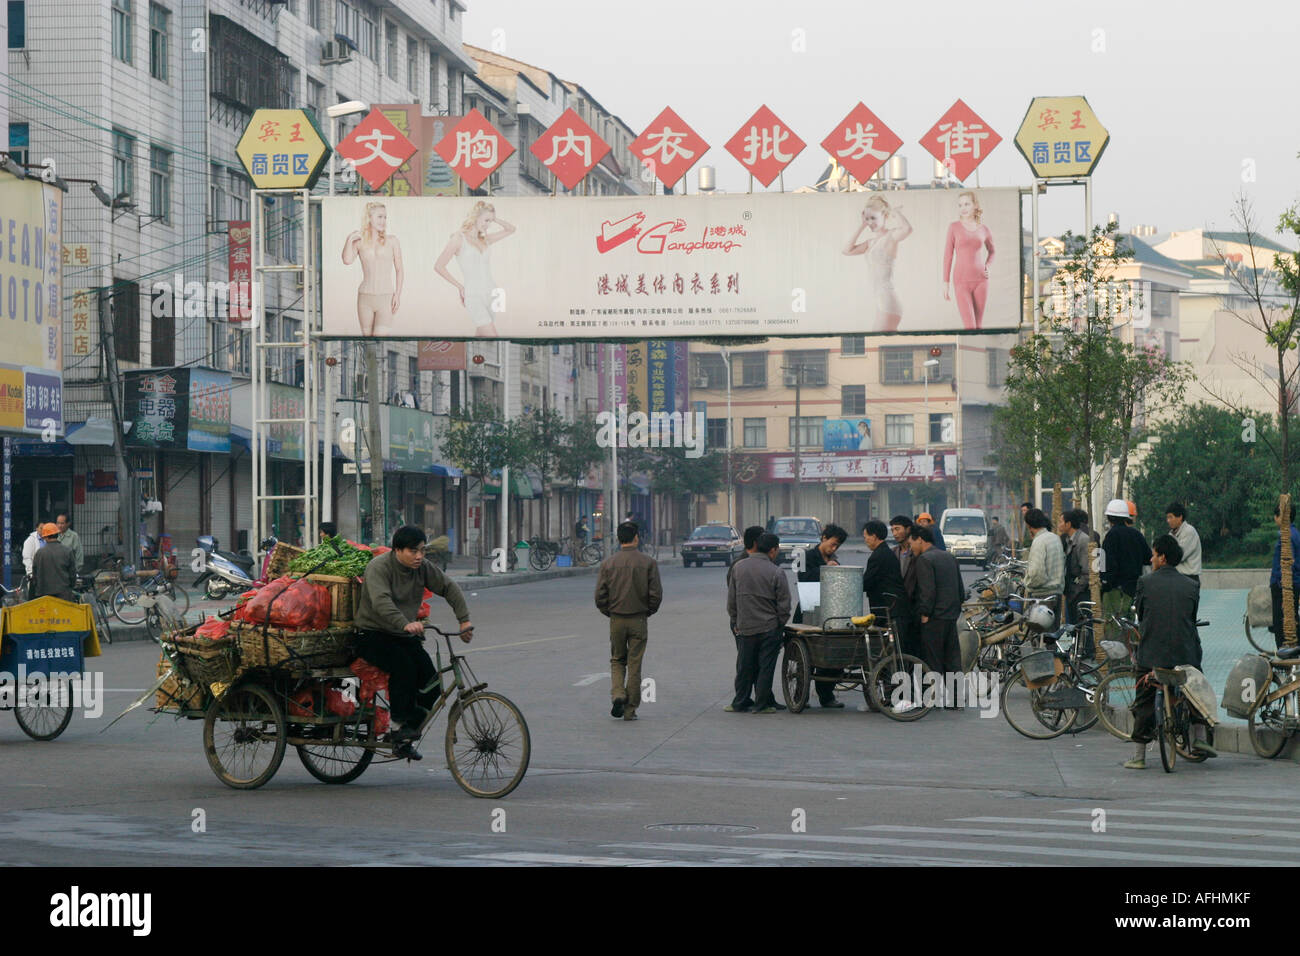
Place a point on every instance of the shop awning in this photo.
(520, 486)
(241, 437)
(93, 431)
(35, 448)
(446, 471)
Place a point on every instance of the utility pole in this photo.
(798, 426)
(374, 442)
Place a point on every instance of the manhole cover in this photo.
(702, 827)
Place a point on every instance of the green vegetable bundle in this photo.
(350, 562)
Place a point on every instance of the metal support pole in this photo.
(505, 469)
(1034, 304)
(731, 484)
(798, 428)
(613, 447)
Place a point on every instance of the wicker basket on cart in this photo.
(207, 661)
(176, 692)
(296, 651)
(343, 597)
(282, 556)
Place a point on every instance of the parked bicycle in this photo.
(89, 594)
(126, 600)
(1276, 714)
(1175, 716)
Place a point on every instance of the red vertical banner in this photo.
(240, 270)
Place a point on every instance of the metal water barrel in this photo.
(841, 595)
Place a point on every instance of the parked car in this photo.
(712, 542)
(796, 531)
(966, 533)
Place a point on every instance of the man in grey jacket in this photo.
(758, 603)
(752, 534)
(938, 603)
(390, 634)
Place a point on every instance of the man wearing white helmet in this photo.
(1125, 553)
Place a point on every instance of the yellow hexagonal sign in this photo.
(282, 149)
(1061, 137)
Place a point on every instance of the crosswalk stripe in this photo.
(779, 853)
(1181, 814)
(1271, 833)
(566, 859)
(1289, 807)
(1106, 836)
(1061, 854)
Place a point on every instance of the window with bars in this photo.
(896, 365)
(813, 364)
(123, 164)
(160, 184)
(899, 429)
(159, 31)
(216, 194)
(390, 48)
(853, 399)
(123, 25)
(316, 99)
(238, 196)
(749, 370)
(413, 374)
(755, 432)
(19, 142)
(17, 24)
(434, 99)
(162, 328)
(809, 431)
(715, 434)
(391, 369)
(997, 367)
(853, 345)
(412, 64)
(941, 428)
(710, 371)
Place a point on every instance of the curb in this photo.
(1234, 738)
(507, 578)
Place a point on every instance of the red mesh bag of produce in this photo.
(293, 605)
(373, 680)
(301, 704)
(337, 704)
(424, 607)
(214, 628)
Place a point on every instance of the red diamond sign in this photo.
(668, 147)
(765, 145)
(474, 149)
(960, 140)
(861, 143)
(376, 148)
(570, 148)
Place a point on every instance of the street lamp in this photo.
(327, 479)
(926, 366)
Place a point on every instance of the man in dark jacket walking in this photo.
(743, 700)
(937, 604)
(628, 591)
(1166, 604)
(758, 604)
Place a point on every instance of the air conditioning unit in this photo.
(701, 381)
(790, 380)
(332, 51)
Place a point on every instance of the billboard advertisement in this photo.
(31, 305)
(676, 266)
(846, 434)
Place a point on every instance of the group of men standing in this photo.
(52, 556)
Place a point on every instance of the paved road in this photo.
(687, 784)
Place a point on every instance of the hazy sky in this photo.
(1193, 92)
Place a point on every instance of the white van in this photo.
(966, 533)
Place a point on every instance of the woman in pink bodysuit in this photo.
(970, 278)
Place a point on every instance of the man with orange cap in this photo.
(926, 521)
(54, 569)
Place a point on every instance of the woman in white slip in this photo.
(470, 247)
(885, 228)
(380, 292)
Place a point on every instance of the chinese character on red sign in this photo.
(764, 145)
(861, 143)
(961, 140)
(474, 149)
(240, 271)
(376, 148)
(668, 147)
(569, 149)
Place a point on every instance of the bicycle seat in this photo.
(1170, 678)
(1288, 653)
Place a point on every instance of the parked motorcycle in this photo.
(227, 572)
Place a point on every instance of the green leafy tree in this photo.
(1073, 389)
(476, 441)
(1229, 497)
(674, 475)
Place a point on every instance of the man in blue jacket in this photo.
(1275, 579)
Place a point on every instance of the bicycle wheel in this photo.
(1263, 642)
(539, 559)
(1267, 725)
(244, 736)
(901, 676)
(103, 629)
(591, 554)
(180, 597)
(45, 710)
(1113, 699)
(335, 763)
(126, 604)
(1168, 749)
(1030, 712)
(487, 745)
(796, 674)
